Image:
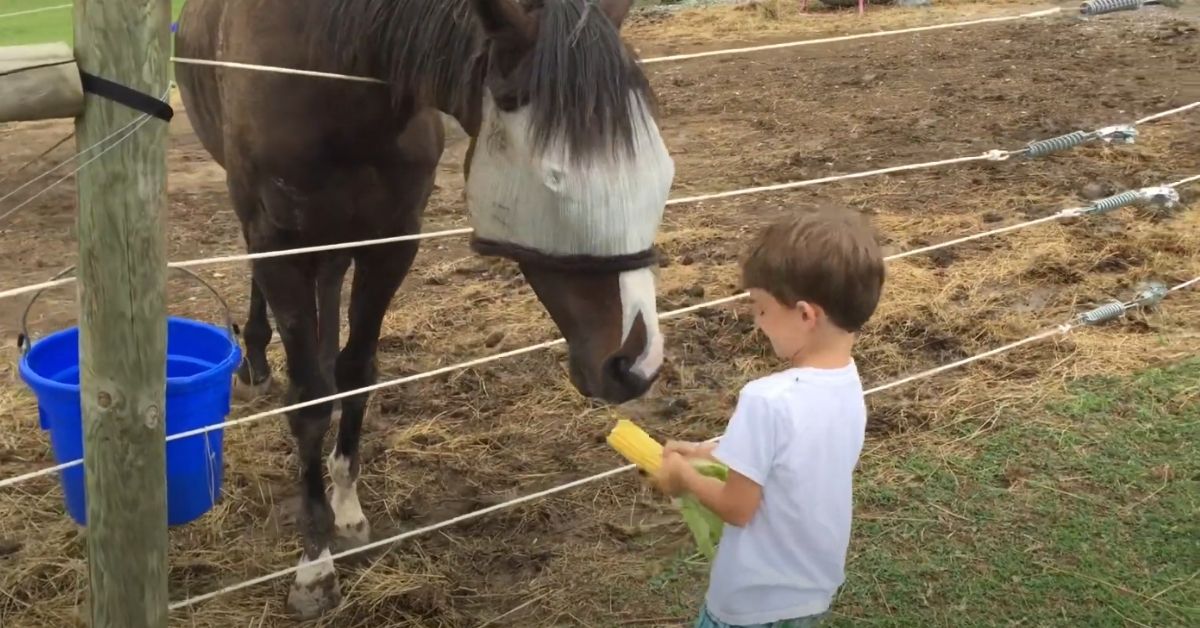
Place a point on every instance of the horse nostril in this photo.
(618, 369)
(621, 381)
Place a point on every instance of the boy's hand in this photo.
(681, 447)
(690, 450)
(671, 476)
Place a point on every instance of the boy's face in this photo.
(790, 329)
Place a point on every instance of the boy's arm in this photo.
(747, 449)
(735, 500)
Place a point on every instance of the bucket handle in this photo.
(24, 343)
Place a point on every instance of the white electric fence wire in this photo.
(1187, 284)
(57, 7)
(994, 155)
(124, 132)
(991, 155)
(680, 57)
(829, 40)
(1169, 112)
(312, 73)
(1195, 177)
(428, 235)
(509, 354)
(1048, 333)
(45, 285)
(276, 70)
(1061, 329)
(224, 259)
(136, 121)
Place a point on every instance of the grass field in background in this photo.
(47, 26)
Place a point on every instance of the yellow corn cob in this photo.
(636, 445)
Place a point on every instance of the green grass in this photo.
(35, 28)
(1084, 512)
(48, 26)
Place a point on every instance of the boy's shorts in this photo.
(708, 621)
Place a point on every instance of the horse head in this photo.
(568, 176)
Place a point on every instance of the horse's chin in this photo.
(575, 374)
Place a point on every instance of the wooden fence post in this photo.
(122, 277)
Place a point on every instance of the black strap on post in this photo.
(127, 96)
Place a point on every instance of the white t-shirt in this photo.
(797, 434)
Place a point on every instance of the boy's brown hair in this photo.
(826, 256)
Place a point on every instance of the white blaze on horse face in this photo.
(607, 207)
(637, 297)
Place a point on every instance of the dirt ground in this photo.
(444, 447)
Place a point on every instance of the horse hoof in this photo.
(353, 535)
(245, 392)
(312, 599)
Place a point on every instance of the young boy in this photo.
(794, 439)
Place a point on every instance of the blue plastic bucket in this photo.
(201, 359)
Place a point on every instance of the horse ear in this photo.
(616, 10)
(501, 18)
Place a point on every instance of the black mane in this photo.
(428, 50)
(582, 79)
(579, 87)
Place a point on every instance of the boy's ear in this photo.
(807, 310)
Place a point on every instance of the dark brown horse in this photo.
(567, 176)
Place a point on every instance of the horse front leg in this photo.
(290, 290)
(254, 375)
(377, 276)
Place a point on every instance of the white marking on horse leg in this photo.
(637, 297)
(348, 519)
(315, 589)
(313, 571)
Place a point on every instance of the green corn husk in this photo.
(705, 525)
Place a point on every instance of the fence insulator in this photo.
(1118, 134)
(1041, 148)
(1110, 203)
(1103, 314)
(1098, 7)
(1162, 196)
(1153, 293)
